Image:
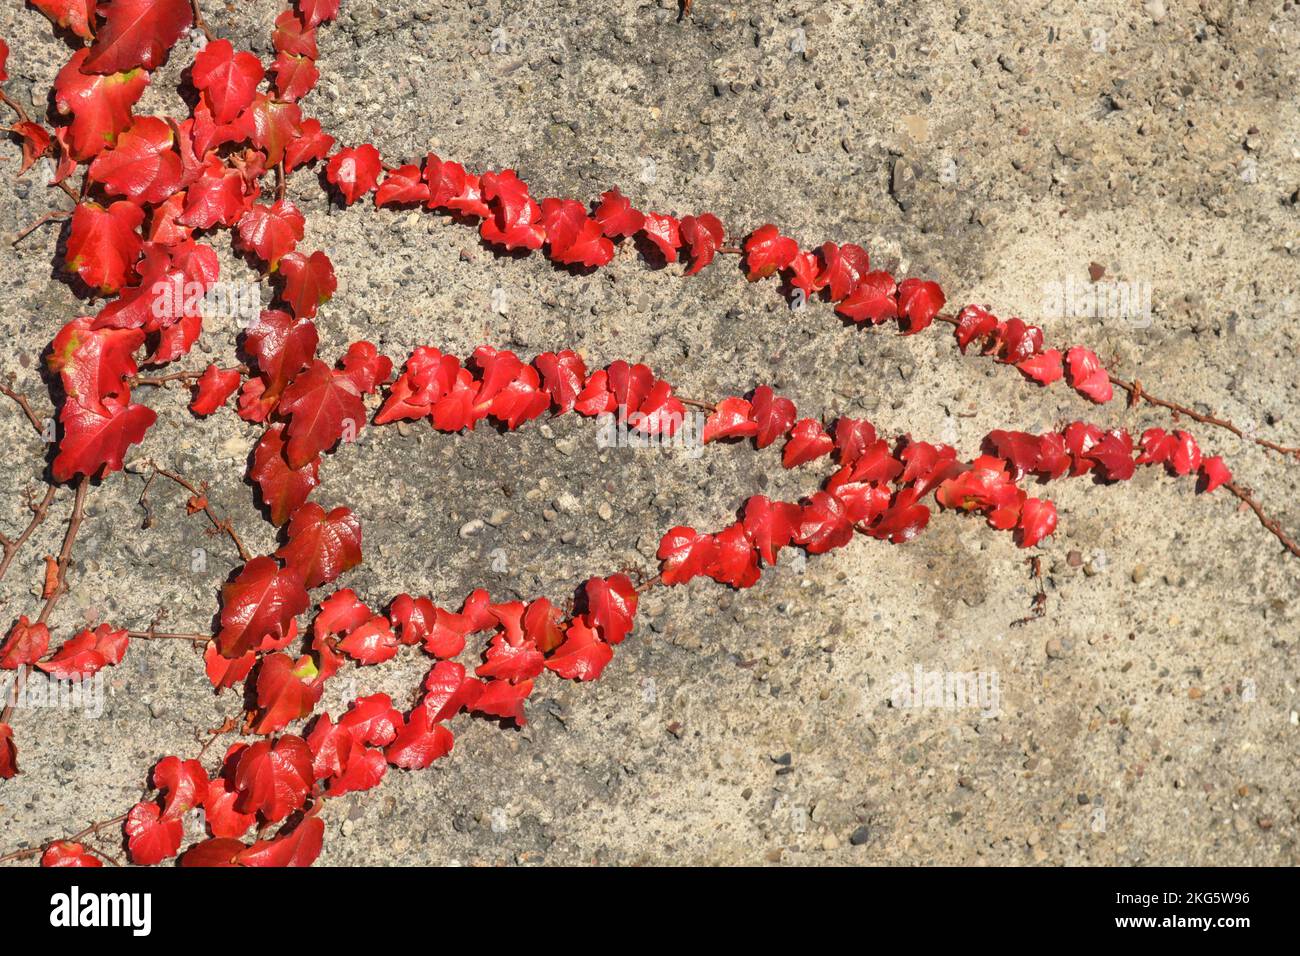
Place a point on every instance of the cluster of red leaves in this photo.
(151, 184)
(79, 657)
(498, 383)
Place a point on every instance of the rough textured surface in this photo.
(1149, 718)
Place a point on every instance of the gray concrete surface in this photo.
(1150, 717)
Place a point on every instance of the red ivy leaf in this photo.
(582, 656)
(150, 838)
(354, 170)
(419, 742)
(215, 386)
(227, 80)
(766, 251)
(309, 282)
(260, 602)
(104, 244)
(616, 215)
(271, 231)
(703, 235)
(322, 546)
(100, 106)
(26, 644)
(64, 853)
(137, 33)
(1087, 375)
(321, 404)
(273, 779)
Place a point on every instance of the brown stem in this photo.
(77, 837)
(61, 582)
(199, 22)
(695, 403)
(1270, 523)
(152, 635)
(54, 215)
(15, 106)
(222, 525)
(11, 548)
(26, 406)
(1137, 393)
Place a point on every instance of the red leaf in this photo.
(401, 186)
(215, 386)
(371, 643)
(322, 546)
(309, 282)
(685, 553)
(308, 144)
(1037, 521)
(874, 300)
(217, 852)
(295, 76)
(150, 839)
(226, 79)
(665, 232)
(316, 12)
(514, 222)
(1213, 474)
(904, 519)
(616, 215)
(273, 779)
(287, 690)
(183, 783)
(103, 244)
(1087, 375)
(100, 106)
(354, 170)
(732, 418)
(142, 164)
(736, 561)
(919, 302)
(611, 606)
(501, 698)
(283, 489)
(299, 847)
(94, 441)
(137, 33)
(823, 524)
(79, 17)
(773, 414)
(766, 251)
(26, 644)
(582, 656)
(808, 441)
(321, 404)
(1044, 368)
(419, 742)
(447, 691)
(770, 526)
(366, 367)
(271, 231)
(226, 671)
(63, 853)
(703, 235)
(563, 376)
(845, 267)
(77, 659)
(36, 142)
(283, 346)
(261, 602)
(973, 323)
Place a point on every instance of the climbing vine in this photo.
(150, 194)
